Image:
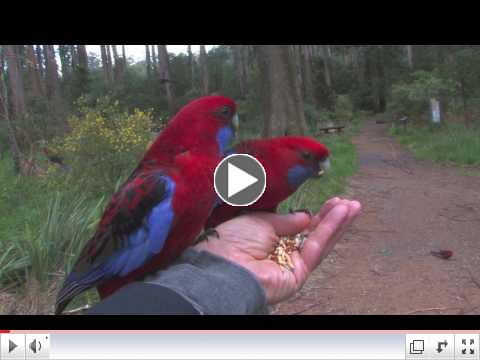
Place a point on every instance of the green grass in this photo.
(41, 230)
(449, 144)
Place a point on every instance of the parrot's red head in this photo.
(207, 124)
(306, 152)
(296, 158)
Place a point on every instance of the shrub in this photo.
(344, 109)
(104, 143)
(413, 98)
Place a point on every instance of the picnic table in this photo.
(331, 129)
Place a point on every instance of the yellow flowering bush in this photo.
(104, 143)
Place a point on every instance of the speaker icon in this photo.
(35, 346)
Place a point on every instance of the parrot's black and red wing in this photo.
(134, 228)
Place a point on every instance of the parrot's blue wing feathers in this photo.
(133, 229)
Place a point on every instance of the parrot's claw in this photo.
(306, 211)
(205, 235)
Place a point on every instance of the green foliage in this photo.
(41, 230)
(344, 111)
(413, 98)
(104, 144)
(324, 96)
(464, 71)
(57, 242)
(451, 143)
(250, 109)
(312, 115)
(221, 72)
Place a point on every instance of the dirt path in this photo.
(383, 265)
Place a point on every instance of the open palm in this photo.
(248, 240)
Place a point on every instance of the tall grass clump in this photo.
(450, 144)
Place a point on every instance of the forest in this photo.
(73, 125)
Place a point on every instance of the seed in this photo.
(284, 248)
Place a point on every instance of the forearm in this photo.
(198, 283)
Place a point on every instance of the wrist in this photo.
(213, 284)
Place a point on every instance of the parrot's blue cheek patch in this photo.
(298, 174)
(224, 137)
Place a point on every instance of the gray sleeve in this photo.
(213, 285)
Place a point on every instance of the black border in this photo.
(341, 322)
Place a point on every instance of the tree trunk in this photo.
(203, 71)
(296, 49)
(2, 59)
(103, 55)
(154, 61)
(41, 70)
(381, 80)
(191, 66)
(105, 65)
(326, 65)
(360, 64)
(82, 57)
(124, 60)
(6, 116)
(2, 67)
(283, 105)
(164, 73)
(52, 80)
(82, 69)
(33, 73)
(308, 76)
(117, 66)
(410, 55)
(109, 65)
(20, 49)
(239, 62)
(16, 82)
(74, 52)
(65, 62)
(148, 61)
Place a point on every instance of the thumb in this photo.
(286, 224)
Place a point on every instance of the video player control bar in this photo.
(236, 345)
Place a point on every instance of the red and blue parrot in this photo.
(163, 205)
(288, 161)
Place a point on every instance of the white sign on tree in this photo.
(435, 104)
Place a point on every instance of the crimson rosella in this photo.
(163, 205)
(288, 161)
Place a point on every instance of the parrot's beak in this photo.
(324, 166)
(236, 122)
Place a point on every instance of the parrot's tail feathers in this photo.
(73, 286)
(66, 295)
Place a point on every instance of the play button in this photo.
(240, 180)
(11, 346)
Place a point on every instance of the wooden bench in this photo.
(403, 122)
(331, 129)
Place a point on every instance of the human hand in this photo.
(248, 240)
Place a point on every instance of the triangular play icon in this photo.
(11, 346)
(238, 180)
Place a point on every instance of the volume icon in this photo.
(35, 346)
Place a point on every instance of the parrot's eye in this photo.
(306, 155)
(225, 112)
